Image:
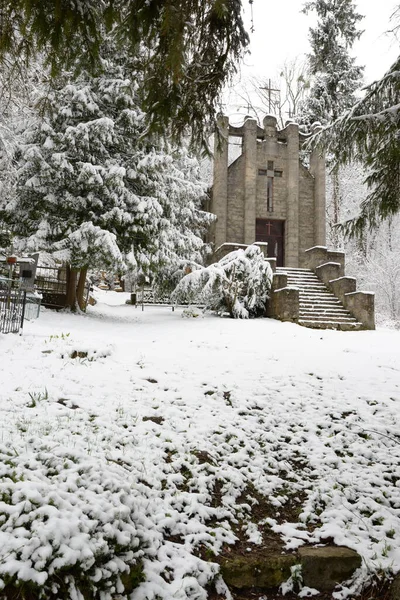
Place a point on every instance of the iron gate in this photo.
(12, 308)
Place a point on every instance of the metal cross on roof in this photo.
(269, 89)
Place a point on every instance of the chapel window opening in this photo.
(270, 194)
(235, 148)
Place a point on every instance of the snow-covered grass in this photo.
(144, 438)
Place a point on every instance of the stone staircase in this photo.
(318, 307)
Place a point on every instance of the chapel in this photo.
(267, 194)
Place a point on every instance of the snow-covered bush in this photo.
(238, 284)
(69, 526)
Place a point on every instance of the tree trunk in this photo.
(72, 275)
(80, 289)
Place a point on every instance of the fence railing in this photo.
(12, 307)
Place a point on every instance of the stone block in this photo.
(284, 304)
(315, 256)
(338, 257)
(328, 271)
(323, 568)
(261, 572)
(269, 123)
(362, 307)
(272, 264)
(279, 281)
(342, 286)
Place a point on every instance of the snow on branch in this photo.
(238, 284)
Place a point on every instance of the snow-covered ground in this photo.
(145, 436)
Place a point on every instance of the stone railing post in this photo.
(342, 286)
(328, 271)
(337, 257)
(284, 304)
(315, 256)
(279, 280)
(362, 306)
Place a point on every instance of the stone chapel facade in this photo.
(267, 194)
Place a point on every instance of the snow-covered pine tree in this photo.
(334, 75)
(192, 47)
(95, 189)
(238, 284)
(369, 132)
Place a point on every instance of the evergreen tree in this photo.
(369, 132)
(335, 77)
(93, 188)
(192, 47)
(334, 74)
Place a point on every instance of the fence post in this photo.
(22, 312)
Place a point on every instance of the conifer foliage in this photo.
(192, 47)
(95, 191)
(237, 285)
(335, 76)
(369, 132)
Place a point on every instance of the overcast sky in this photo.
(281, 33)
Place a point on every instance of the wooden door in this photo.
(273, 232)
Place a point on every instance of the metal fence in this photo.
(149, 296)
(51, 283)
(12, 307)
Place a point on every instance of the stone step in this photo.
(331, 325)
(321, 568)
(328, 312)
(310, 284)
(304, 273)
(321, 317)
(299, 273)
(312, 287)
(316, 293)
(324, 311)
(301, 276)
(293, 269)
(317, 296)
(319, 308)
(305, 281)
(322, 306)
(306, 300)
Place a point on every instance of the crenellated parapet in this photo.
(267, 194)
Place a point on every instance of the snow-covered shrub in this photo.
(69, 526)
(192, 312)
(238, 284)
